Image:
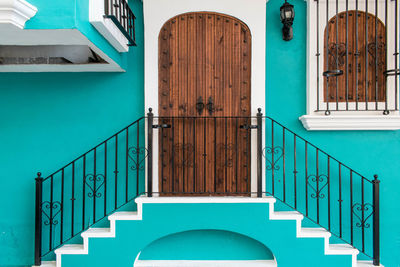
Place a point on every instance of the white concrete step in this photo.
(48, 264)
(98, 232)
(71, 249)
(125, 216)
(366, 264)
(341, 249)
(287, 215)
(314, 232)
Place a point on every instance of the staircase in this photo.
(305, 189)
(270, 214)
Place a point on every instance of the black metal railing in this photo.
(324, 189)
(203, 155)
(207, 156)
(89, 188)
(122, 16)
(357, 55)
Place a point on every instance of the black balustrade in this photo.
(207, 156)
(324, 189)
(89, 188)
(122, 16)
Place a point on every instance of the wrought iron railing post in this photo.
(259, 153)
(376, 255)
(150, 118)
(38, 219)
(106, 8)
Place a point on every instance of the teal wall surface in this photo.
(206, 245)
(49, 119)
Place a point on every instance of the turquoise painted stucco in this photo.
(206, 245)
(48, 119)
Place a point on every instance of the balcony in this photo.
(56, 38)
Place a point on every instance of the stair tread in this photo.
(366, 264)
(288, 215)
(96, 231)
(48, 264)
(315, 231)
(69, 247)
(122, 215)
(343, 248)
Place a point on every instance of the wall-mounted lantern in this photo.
(287, 17)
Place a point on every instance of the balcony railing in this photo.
(356, 55)
(122, 16)
(202, 156)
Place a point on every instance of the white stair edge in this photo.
(301, 232)
(47, 264)
(366, 264)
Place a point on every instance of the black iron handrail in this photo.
(296, 172)
(89, 188)
(122, 16)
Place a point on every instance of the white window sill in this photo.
(319, 122)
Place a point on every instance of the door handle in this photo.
(200, 105)
(210, 106)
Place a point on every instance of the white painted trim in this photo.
(157, 12)
(106, 27)
(312, 74)
(15, 13)
(360, 122)
(198, 200)
(55, 37)
(205, 263)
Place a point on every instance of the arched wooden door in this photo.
(204, 90)
(366, 58)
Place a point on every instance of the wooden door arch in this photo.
(363, 78)
(204, 60)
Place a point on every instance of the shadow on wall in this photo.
(205, 248)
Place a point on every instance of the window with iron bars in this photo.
(353, 65)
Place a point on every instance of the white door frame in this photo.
(252, 13)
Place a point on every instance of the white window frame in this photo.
(346, 120)
(106, 27)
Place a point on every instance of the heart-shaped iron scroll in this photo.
(51, 210)
(94, 182)
(358, 209)
(138, 156)
(276, 154)
(317, 184)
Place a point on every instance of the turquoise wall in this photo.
(48, 119)
(368, 152)
(206, 245)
